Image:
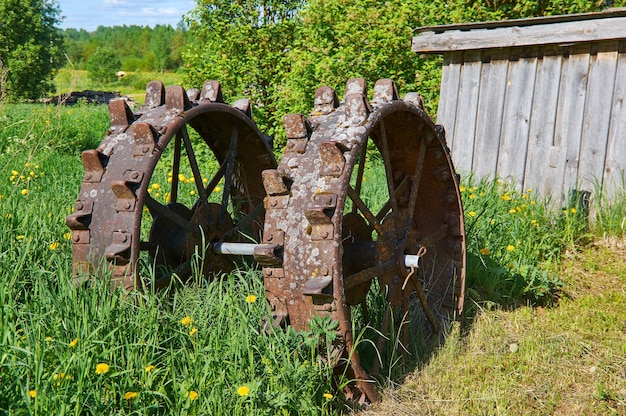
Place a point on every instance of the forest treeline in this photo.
(137, 48)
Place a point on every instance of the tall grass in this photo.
(201, 348)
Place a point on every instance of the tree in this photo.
(243, 44)
(103, 65)
(29, 48)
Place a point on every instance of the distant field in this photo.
(133, 84)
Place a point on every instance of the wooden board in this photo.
(597, 116)
(571, 107)
(465, 122)
(615, 162)
(491, 102)
(515, 36)
(516, 118)
(448, 96)
(540, 171)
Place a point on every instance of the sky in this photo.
(89, 14)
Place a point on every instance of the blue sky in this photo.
(89, 14)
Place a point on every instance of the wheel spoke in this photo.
(367, 274)
(197, 176)
(369, 216)
(438, 235)
(182, 271)
(388, 170)
(215, 179)
(175, 170)
(246, 220)
(359, 175)
(156, 208)
(417, 177)
(230, 168)
(387, 206)
(423, 301)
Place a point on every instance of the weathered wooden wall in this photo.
(549, 117)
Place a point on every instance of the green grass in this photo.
(54, 334)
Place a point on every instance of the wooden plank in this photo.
(448, 95)
(516, 118)
(538, 174)
(490, 108)
(570, 110)
(506, 37)
(615, 163)
(597, 116)
(465, 121)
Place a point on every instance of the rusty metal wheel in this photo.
(341, 246)
(130, 213)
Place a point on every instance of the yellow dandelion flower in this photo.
(250, 299)
(327, 396)
(205, 180)
(74, 342)
(524, 196)
(186, 321)
(193, 331)
(573, 210)
(532, 202)
(48, 339)
(472, 213)
(485, 251)
(129, 395)
(218, 189)
(182, 177)
(510, 247)
(32, 393)
(67, 236)
(24, 192)
(512, 211)
(27, 164)
(533, 221)
(565, 211)
(54, 246)
(492, 222)
(102, 368)
(518, 209)
(155, 186)
(472, 196)
(462, 188)
(19, 237)
(169, 180)
(192, 193)
(506, 197)
(528, 190)
(192, 395)
(14, 173)
(243, 391)
(149, 368)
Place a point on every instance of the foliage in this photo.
(29, 48)
(138, 48)
(243, 45)
(103, 65)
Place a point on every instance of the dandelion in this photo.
(192, 193)
(485, 251)
(533, 221)
(250, 299)
(19, 237)
(472, 213)
(573, 210)
(48, 339)
(14, 173)
(186, 321)
(512, 211)
(243, 391)
(506, 197)
(73, 342)
(193, 331)
(462, 188)
(149, 368)
(327, 396)
(192, 395)
(102, 368)
(129, 395)
(510, 247)
(218, 189)
(54, 246)
(472, 196)
(155, 186)
(67, 236)
(24, 192)
(182, 178)
(32, 393)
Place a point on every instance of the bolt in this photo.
(270, 237)
(273, 203)
(123, 238)
(127, 205)
(76, 238)
(290, 145)
(134, 175)
(336, 168)
(324, 271)
(324, 234)
(79, 206)
(145, 149)
(268, 272)
(88, 176)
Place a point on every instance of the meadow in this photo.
(199, 348)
